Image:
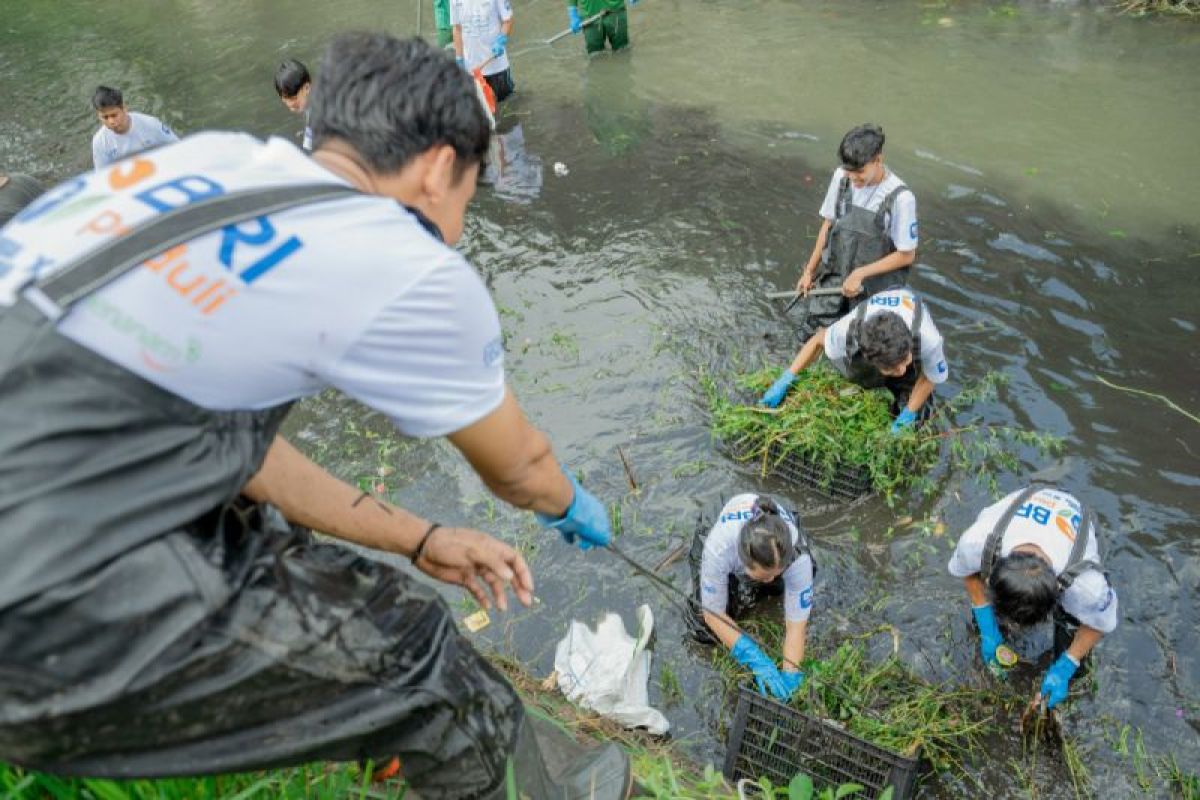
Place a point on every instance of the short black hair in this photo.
(107, 97)
(291, 77)
(1023, 588)
(884, 339)
(392, 99)
(765, 540)
(860, 146)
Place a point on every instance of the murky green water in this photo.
(1053, 150)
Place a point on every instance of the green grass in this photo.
(839, 429)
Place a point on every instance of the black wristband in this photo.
(421, 544)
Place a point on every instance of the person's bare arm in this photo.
(515, 460)
(809, 352)
(1084, 640)
(794, 639)
(852, 286)
(722, 627)
(506, 26)
(309, 496)
(976, 590)
(920, 393)
(456, 33)
(810, 269)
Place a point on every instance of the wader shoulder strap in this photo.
(802, 546)
(843, 199)
(1076, 563)
(918, 318)
(991, 547)
(885, 208)
(99, 267)
(852, 333)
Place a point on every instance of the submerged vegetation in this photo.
(836, 429)
(1183, 7)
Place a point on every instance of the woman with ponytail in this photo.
(757, 544)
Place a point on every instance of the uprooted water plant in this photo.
(837, 429)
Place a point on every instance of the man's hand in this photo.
(1058, 679)
(805, 283)
(586, 521)
(574, 18)
(477, 562)
(500, 45)
(852, 286)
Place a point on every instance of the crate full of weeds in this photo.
(837, 482)
(772, 740)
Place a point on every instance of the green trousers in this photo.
(613, 27)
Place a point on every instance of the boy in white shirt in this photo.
(868, 236)
(123, 132)
(481, 30)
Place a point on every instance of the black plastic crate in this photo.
(848, 483)
(775, 741)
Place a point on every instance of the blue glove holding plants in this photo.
(791, 681)
(989, 634)
(573, 16)
(499, 45)
(766, 674)
(586, 518)
(1054, 685)
(778, 390)
(903, 420)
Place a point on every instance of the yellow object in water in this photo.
(477, 621)
(1006, 656)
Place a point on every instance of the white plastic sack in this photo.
(607, 671)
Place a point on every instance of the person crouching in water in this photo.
(1035, 552)
(888, 341)
(755, 546)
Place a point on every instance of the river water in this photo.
(1053, 148)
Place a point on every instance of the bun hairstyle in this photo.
(765, 540)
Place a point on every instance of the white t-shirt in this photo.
(351, 293)
(144, 132)
(901, 302)
(902, 226)
(1051, 521)
(721, 560)
(480, 21)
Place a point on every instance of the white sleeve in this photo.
(798, 590)
(904, 221)
(835, 338)
(968, 555)
(1092, 601)
(933, 359)
(714, 579)
(98, 158)
(455, 13)
(829, 205)
(504, 9)
(165, 134)
(433, 359)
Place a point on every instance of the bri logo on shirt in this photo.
(893, 301)
(1065, 519)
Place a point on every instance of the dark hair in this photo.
(290, 78)
(860, 146)
(884, 339)
(393, 99)
(765, 540)
(107, 97)
(1023, 588)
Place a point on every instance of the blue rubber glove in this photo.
(1054, 685)
(903, 420)
(792, 681)
(462, 63)
(586, 518)
(766, 674)
(989, 634)
(576, 21)
(774, 396)
(633, 2)
(499, 45)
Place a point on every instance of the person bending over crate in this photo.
(888, 341)
(756, 546)
(1035, 552)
